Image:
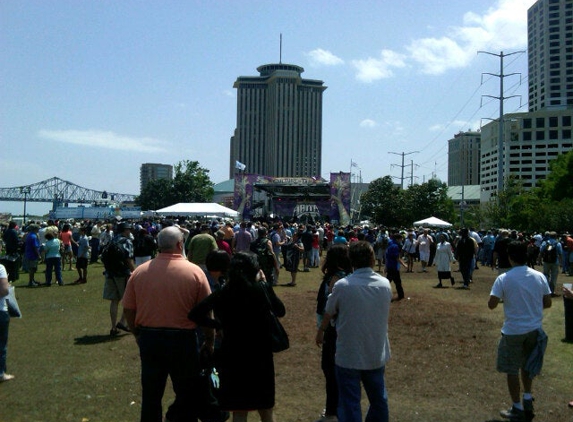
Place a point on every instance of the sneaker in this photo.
(513, 414)
(438, 286)
(329, 418)
(6, 377)
(528, 408)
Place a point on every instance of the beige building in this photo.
(464, 159)
(550, 54)
(532, 141)
(279, 123)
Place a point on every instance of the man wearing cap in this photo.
(115, 281)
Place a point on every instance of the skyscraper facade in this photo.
(464, 159)
(532, 140)
(153, 171)
(550, 54)
(279, 123)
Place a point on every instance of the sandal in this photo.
(122, 327)
(113, 332)
(290, 284)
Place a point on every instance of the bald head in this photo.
(170, 239)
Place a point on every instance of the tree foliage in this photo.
(546, 207)
(383, 202)
(190, 183)
(389, 205)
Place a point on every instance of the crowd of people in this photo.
(197, 297)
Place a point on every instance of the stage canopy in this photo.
(198, 209)
(432, 222)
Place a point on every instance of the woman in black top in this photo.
(245, 364)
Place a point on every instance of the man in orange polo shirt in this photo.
(159, 295)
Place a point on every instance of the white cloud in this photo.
(320, 57)
(104, 139)
(368, 123)
(502, 27)
(373, 69)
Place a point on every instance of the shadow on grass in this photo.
(95, 339)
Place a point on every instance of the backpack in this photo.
(113, 258)
(550, 253)
(266, 257)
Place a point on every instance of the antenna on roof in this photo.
(281, 49)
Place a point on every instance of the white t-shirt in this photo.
(3, 274)
(522, 290)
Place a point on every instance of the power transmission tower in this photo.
(403, 154)
(501, 98)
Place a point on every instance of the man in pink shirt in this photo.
(159, 295)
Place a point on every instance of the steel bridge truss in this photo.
(58, 191)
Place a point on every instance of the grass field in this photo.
(443, 343)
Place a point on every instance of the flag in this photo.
(240, 166)
(353, 164)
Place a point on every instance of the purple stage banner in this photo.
(336, 208)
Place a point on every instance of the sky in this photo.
(92, 89)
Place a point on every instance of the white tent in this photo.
(198, 209)
(432, 222)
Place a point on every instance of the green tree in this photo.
(428, 199)
(383, 202)
(559, 182)
(190, 183)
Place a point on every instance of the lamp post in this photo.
(25, 190)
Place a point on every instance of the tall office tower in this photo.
(152, 171)
(464, 159)
(550, 54)
(279, 123)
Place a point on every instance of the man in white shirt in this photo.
(525, 293)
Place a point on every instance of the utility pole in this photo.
(412, 172)
(501, 98)
(403, 154)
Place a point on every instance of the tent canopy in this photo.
(198, 208)
(432, 222)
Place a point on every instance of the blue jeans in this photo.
(53, 264)
(551, 271)
(349, 394)
(173, 353)
(4, 324)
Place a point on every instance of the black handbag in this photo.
(279, 336)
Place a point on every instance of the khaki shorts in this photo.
(33, 264)
(114, 287)
(514, 350)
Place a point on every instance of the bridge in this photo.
(58, 192)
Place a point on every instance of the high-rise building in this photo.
(464, 159)
(279, 123)
(153, 171)
(550, 54)
(532, 140)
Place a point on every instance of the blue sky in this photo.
(92, 89)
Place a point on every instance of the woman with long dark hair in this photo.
(245, 363)
(336, 266)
